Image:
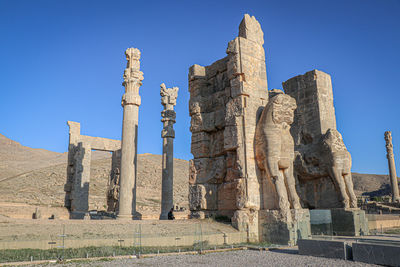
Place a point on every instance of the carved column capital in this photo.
(168, 96)
(168, 100)
(389, 144)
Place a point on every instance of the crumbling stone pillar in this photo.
(74, 133)
(81, 180)
(168, 100)
(130, 102)
(392, 167)
(78, 173)
(322, 164)
(226, 99)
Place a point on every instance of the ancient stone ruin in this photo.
(226, 98)
(168, 100)
(392, 167)
(322, 164)
(260, 158)
(263, 162)
(78, 169)
(121, 189)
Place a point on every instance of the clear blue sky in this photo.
(64, 60)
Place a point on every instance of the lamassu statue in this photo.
(275, 151)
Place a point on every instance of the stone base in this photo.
(275, 231)
(349, 222)
(136, 216)
(321, 222)
(325, 248)
(77, 215)
(382, 254)
(247, 221)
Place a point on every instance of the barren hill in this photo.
(37, 177)
(16, 159)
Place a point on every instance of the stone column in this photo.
(168, 100)
(130, 102)
(392, 167)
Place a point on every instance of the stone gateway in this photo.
(260, 157)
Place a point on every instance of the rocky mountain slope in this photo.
(37, 177)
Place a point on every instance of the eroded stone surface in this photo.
(225, 99)
(275, 155)
(322, 163)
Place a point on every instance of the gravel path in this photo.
(243, 258)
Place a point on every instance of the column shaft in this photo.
(393, 179)
(168, 100)
(392, 167)
(167, 195)
(127, 198)
(130, 101)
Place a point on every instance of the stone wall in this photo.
(226, 98)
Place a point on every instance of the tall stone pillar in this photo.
(168, 100)
(392, 167)
(130, 102)
(81, 180)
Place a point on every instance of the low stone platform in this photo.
(382, 249)
(377, 254)
(325, 248)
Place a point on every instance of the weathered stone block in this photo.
(217, 67)
(203, 122)
(382, 254)
(247, 221)
(232, 195)
(207, 170)
(217, 144)
(196, 71)
(202, 197)
(325, 248)
(234, 112)
(232, 137)
(250, 29)
(276, 231)
(200, 144)
(349, 222)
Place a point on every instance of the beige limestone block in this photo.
(202, 197)
(250, 29)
